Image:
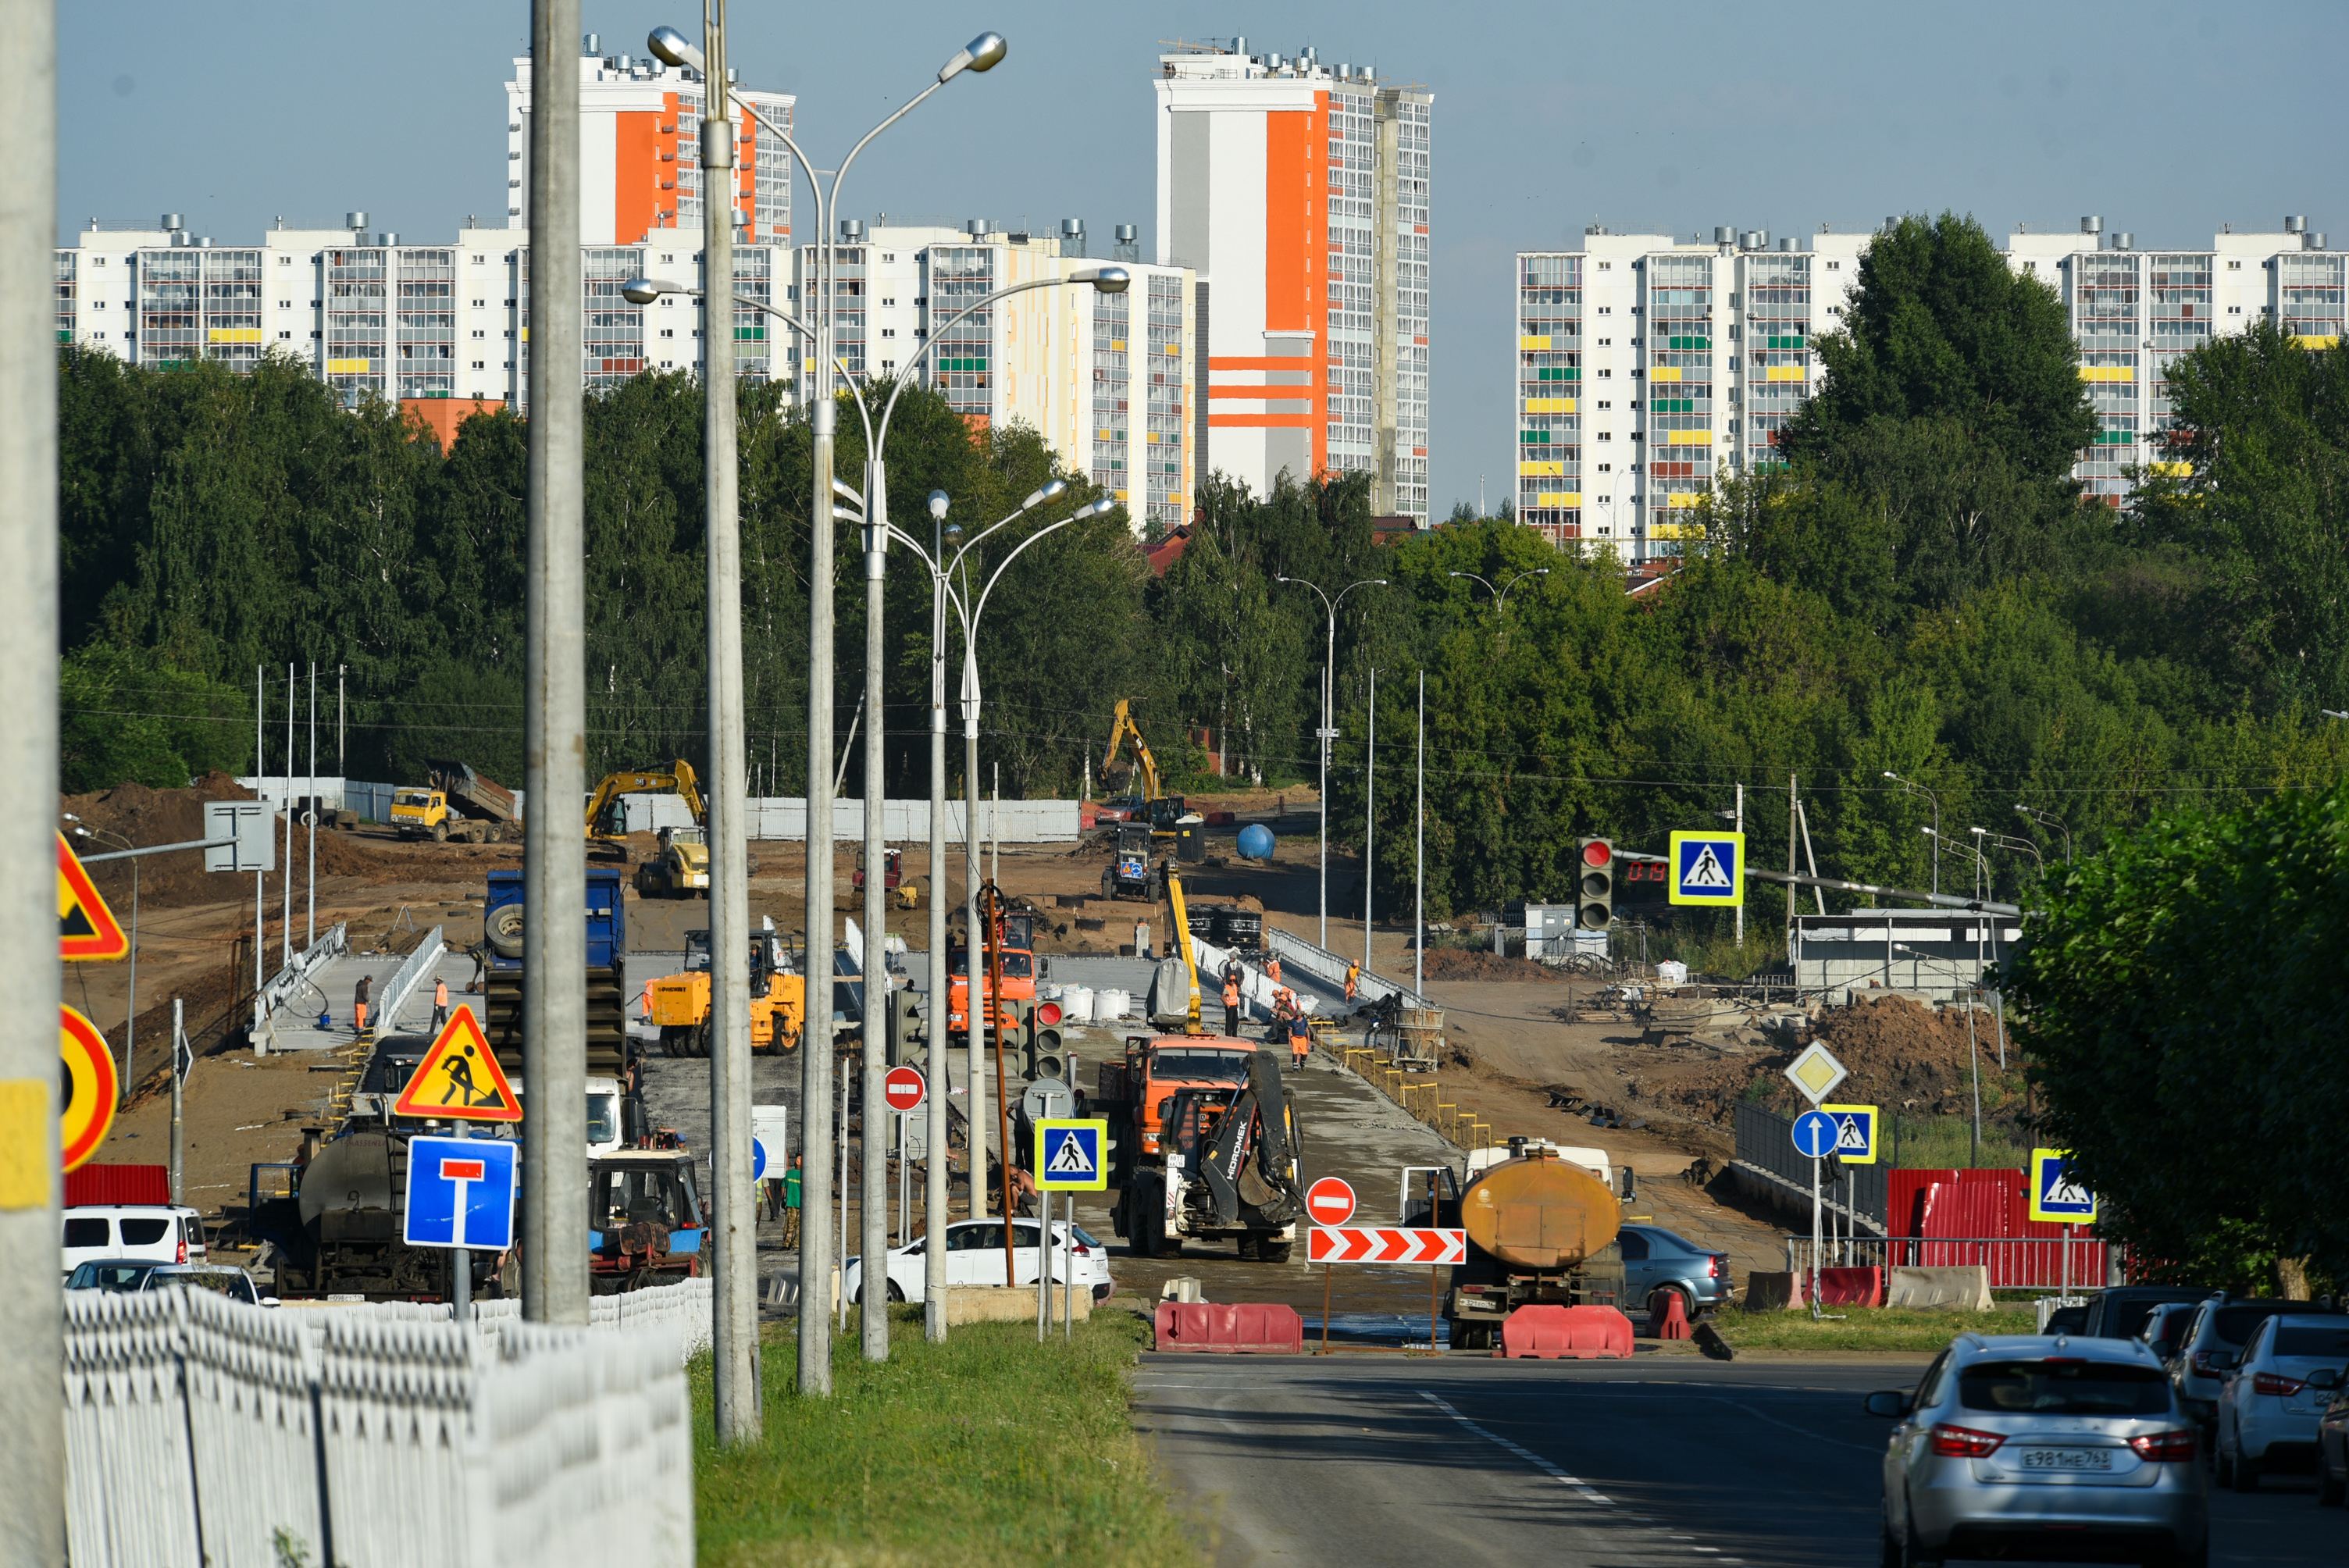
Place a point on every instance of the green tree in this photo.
(125, 715)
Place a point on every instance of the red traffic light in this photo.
(1597, 853)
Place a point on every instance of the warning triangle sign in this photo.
(459, 1079)
(1071, 1158)
(86, 927)
(1706, 872)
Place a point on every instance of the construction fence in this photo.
(200, 1429)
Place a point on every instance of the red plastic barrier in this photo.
(1674, 1324)
(1849, 1287)
(1236, 1328)
(118, 1184)
(1566, 1334)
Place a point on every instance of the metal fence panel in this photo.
(252, 1379)
(1766, 1140)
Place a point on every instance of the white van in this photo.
(1591, 1160)
(151, 1233)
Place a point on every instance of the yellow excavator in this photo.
(685, 851)
(1141, 803)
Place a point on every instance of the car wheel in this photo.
(894, 1294)
(1912, 1551)
(1274, 1252)
(1660, 1302)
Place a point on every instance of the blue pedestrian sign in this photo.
(1071, 1156)
(1814, 1134)
(1855, 1132)
(1708, 868)
(758, 1161)
(2057, 1198)
(460, 1192)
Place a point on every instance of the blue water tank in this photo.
(1255, 842)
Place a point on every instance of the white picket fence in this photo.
(202, 1429)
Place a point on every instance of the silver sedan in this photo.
(2045, 1448)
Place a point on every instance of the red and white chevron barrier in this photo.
(1384, 1244)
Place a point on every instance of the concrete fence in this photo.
(202, 1429)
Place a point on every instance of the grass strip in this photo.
(1868, 1328)
(990, 1448)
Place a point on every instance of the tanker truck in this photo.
(1541, 1230)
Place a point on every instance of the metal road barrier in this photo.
(307, 962)
(2014, 1262)
(1766, 1140)
(408, 975)
(1329, 970)
(202, 1429)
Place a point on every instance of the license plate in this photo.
(2067, 1459)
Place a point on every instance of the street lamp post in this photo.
(1501, 594)
(2049, 820)
(1328, 731)
(1920, 790)
(816, 1080)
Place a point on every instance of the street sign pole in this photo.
(1815, 1230)
(462, 1295)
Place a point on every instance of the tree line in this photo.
(1918, 589)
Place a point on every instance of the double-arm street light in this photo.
(1501, 594)
(2049, 820)
(738, 1417)
(1328, 732)
(2017, 846)
(1915, 789)
(1973, 851)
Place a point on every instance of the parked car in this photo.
(158, 1233)
(2213, 1343)
(234, 1284)
(124, 1276)
(1656, 1261)
(2165, 1332)
(2268, 1411)
(2332, 1450)
(2068, 1319)
(2120, 1312)
(975, 1257)
(2033, 1447)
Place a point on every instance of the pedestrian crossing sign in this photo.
(459, 1079)
(2057, 1197)
(1071, 1156)
(1708, 868)
(1855, 1124)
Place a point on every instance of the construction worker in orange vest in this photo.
(1231, 1004)
(1272, 969)
(1353, 979)
(1300, 1037)
(439, 1005)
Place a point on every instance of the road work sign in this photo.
(1816, 1072)
(86, 927)
(459, 1079)
(460, 1192)
(1330, 1201)
(1814, 1134)
(1708, 868)
(2057, 1198)
(1855, 1128)
(1071, 1156)
(90, 1088)
(1384, 1244)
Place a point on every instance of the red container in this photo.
(118, 1184)
(1238, 1329)
(1547, 1333)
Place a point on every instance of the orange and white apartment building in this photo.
(1298, 192)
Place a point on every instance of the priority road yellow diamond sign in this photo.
(1816, 1072)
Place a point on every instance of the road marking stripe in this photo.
(1548, 1469)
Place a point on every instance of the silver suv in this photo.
(2048, 1448)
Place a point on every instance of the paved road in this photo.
(1384, 1460)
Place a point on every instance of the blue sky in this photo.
(2168, 119)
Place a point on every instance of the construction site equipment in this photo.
(606, 914)
(1016, 932)
(1205, 1147)
(678, 1004)
(455, 802)
(680, 868)
(1240, 1328)
(903, 893)
(645, 1224)
(338, 1232)
(1146, 802)
(1541, 1232)
(608, 821)
(1130, 874)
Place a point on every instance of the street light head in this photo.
(1279, 579)
(1378, 581)
(644, 291)
(1105, 279)
(939, 501)
(954, 530)
(1050, 490)
(1892, 775)
(1447, 574)
(983, 53)
(69, 817)
(674, 48)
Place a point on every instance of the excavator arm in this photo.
(680, 779)
(1121, 729)
(1181, 937)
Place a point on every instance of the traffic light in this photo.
(1595, 908)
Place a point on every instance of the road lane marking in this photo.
(1804, 1431)
(1535, 1459)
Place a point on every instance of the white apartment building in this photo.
(640, 153)
(1645, 368)
(1299, 192)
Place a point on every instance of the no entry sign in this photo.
(903, 1090)
(1330, 1201)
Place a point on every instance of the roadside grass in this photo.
(988, 1449)
(1868, 1328)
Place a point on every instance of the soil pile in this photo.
(145, 816)
(1455, 964)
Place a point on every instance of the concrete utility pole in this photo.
(32, 1375)
(935, 1171)
(554, 699)
(1419, 856)
(1370, 806)
(1328, 730)
(875, 1323)
(311, 939)
(735, 1369)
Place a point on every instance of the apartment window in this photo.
(479, 333)
(889, 332)
(483, 305)
(891, 257)
(669, 332)
(891, 301)
(2231, 267)
(477, 365)
(285, 335)
(1835, 266)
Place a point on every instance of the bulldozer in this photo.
(903, 891)
(608, 821)
(678, 1004)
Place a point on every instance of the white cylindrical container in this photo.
(1110, 1005)
(1077, 1005)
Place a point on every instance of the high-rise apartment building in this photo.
(1298, 192)
(1647, 367)
(640, 153)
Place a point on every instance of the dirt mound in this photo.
(142, 816)
(1451, 963)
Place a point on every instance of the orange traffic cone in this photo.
(1674, 1323)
